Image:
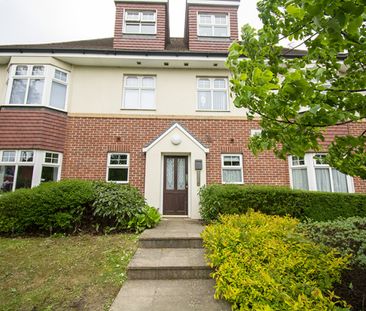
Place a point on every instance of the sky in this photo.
(41, 21)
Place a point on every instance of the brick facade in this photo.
(35, 128)
(209, 44)
(90, 139)
(141, 42)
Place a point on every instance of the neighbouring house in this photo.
(142, 108)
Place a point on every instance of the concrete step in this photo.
(168, 295)
(169, 242)
(168, 263)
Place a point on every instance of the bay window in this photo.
(312, 173)
(37, 85)
(27, 168)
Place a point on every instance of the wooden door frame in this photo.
(163, 155)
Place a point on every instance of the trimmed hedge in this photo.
(262, 263)
(50, 207)
(69, 206)
(319, 206)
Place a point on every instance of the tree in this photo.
(298, 98)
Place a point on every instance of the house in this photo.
(142, 108)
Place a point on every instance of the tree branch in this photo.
(294, 48)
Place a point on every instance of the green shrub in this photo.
(71, 205)
(238, 199)
(122, 207)
(262, 263)
(347, 235)
(50, 207)
(149, 218)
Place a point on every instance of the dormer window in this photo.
(213, 25)
(140, 22)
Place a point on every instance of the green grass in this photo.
(63, 273)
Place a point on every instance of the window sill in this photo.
(137, 109)
(213, 38)
(139, 35)
(30, 107)
(209, 110)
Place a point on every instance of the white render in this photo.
(154, 171)
(3, 78)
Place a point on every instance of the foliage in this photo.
(50, 207)
(122, 207)
(149, 218)
(347, 235)
(72, 205)
(238, 199)
(306, 94)
(262, 263)
(81, 272)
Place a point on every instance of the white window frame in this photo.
(139, 22)
(48, 77)
(310, 165)
(213, 25)
(38, 162)
(223, 167)
(212, 89)
(118, 166)
(139, 88)
(51, 164)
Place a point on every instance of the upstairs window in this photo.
(140, 22)
(139, 92)
(312, 173)
(212, 94)
(37, 85)
(213, 25)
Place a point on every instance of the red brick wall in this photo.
(38, 128)
(206, 44)
(140, 42)
(90, 139)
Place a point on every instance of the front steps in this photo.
(168, 264)
(171, 254)
(168, 272)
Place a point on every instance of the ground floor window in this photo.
(232, 168)
(312, 173)
(117, 167)
(27, 168)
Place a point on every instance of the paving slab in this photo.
(168, 263)
(174, 228)
(169, 295)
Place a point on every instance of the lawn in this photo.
(63, 273)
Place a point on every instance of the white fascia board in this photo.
(213, 2)
(142, 1)
(179, 127)
(163, 58)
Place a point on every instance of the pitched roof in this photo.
(105, 45)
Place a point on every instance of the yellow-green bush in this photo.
(262, 263)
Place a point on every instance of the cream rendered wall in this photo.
(3, 77)
(99, 90)
(154, 170)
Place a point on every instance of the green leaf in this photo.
(295, 11)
